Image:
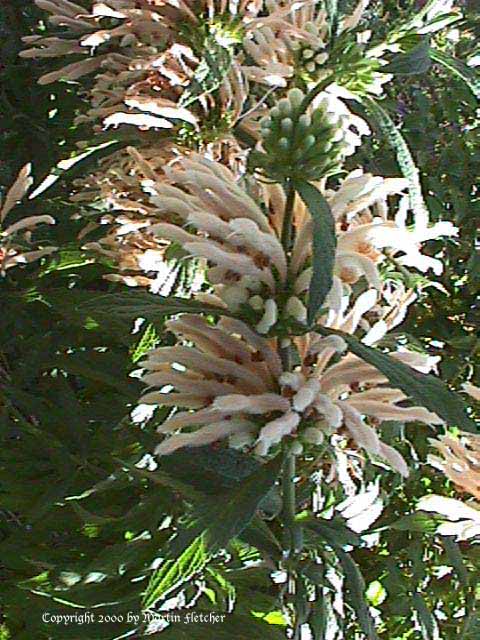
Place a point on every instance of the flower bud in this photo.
(296, 97)
(296, 309)
(296, 448)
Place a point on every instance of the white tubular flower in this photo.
(462, 520)
(296, 309)
(472, 390)
(306, 395)
(15, 239)
(264, 403)
(459, 460)
(269, 317)
(275, 430)
(231, 386)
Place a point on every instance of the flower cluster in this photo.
(310, 144)
(234, 382)
(16, 238)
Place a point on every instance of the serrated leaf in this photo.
(210, 529)
(404, 158)
(176, 571)
(413, 62)
(148, 341)
(426, 390)
(133, 304)
(324, 244)
(459, 69)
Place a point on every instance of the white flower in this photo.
(463, 520)
(15, 239)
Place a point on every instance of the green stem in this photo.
(287, 227)
(289, 504)
(310, 97)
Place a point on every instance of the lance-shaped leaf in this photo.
(324, 243)
(355, 586)
(210, 73)
(427, 621)
(426, 390)
(459, 69)
(404, 158)
(415, 61)
(211, 528)
(130, 305)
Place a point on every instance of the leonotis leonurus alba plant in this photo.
(240, 167)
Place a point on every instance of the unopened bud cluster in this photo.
(298, 144)
(311, 56)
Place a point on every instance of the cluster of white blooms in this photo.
(232, 385)
(300, 46)
(16, 238)
(458, 458)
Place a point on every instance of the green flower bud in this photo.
(284, 107)
(313, 436)
(308, 142)
(296, 448)
(305, 121)
(287, 125)
(296, 97)
(321, 58)
(275, 113)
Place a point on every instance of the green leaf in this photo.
(426, 619)
(426, 390)
(324, 245)
(132, 304)
(211, 528)
(177, 571)
(148, 341)
(210, 72)
(238, 626)
(459, 69)
(415, 61)
(355, 586)
(416, 522)
(334, 532)
(404, 157)
(454, 555)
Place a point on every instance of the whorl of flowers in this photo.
(234, 382)
(16, 238)
(141, 66)
(147, 57)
